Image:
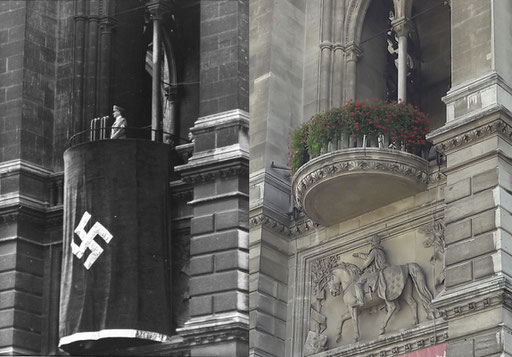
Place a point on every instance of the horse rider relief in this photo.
(374, 263)
(375, 283)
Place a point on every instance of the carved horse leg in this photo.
(344, 318)
(391, 306)
(409, 299)
(355, 319)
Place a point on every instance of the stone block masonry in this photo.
(224, 56)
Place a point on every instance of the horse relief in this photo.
(364, 289)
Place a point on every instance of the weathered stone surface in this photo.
(470, 206)
(458, 274)
(483, 266)
(201, 265)
(484, 222)
(487, 345)
(458, 231)
(203, 224)
(201, 305)
(485, 180)
(463, 348)
(234, 259)
(231, 239)
(470, 248)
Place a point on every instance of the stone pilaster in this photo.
(485, 81)
(218, 288)
(352, 54)
(476, 141)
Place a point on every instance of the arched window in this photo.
(427, 70)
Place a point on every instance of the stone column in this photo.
(80, 18)
(337, 68)
(325, 56)
(401, 28)
(171, 94)
(352, 53)
(106, 24)
(157, 9)
(91, 66)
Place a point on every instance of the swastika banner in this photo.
(115, 274)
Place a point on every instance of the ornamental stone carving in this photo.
(329, 189)
(349, 301)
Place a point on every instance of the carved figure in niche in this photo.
(119, 126)
(391, 283)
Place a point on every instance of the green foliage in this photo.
(401, 122)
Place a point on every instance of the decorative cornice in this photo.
(201, 177)
(498, 126)
(227, 327)
(221, 120)
(269, 222)
(314, 176)
(394, 344)
(183, 195)
(472, 297)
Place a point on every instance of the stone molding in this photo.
(181, 192)
(221, 328)
(304, 180)
(397, 343)
(22, 213)
(475, 85)
(15, 166)
(221, 120)
(205, 176)
(222, 162)
(466, 137)
(473, 297)
(269, 222)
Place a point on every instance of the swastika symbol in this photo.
(87, 239)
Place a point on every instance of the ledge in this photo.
(346, 183)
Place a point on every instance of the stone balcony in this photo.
(356, 176)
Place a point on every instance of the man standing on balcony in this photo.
(118, 128)
(374, 263)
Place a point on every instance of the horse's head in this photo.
(334, 285)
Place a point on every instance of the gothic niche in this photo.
(343, 292)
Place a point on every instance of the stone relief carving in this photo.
(378, 281)
(435, 239)
(316, 341)
(368, 289)
(354, 165)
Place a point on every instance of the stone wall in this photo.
(225, 57)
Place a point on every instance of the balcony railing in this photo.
(103, 133)
(376, 124)
(352, 160)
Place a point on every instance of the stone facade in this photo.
(308, 56)
(65, 62)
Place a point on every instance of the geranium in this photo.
(403, 123)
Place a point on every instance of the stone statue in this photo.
(382, 282)
(120, 124)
